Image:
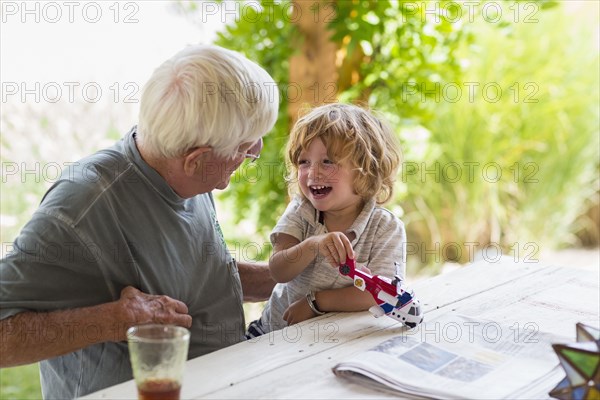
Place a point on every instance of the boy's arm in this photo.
(342, 299)
(290, 256)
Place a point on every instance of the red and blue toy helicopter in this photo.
(392, 297)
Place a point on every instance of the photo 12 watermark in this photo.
(70, 92)
(490, 332)
(266, 11)
(469, 172)
(411, 172)
(53, 12)
(90, 252)
(492, 12)
(317, 331)
(492, 252)
(291, 92)
(453, 92)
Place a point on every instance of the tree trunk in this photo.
(313, 72)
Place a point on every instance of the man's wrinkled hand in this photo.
(138, 308)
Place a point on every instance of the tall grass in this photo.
(527, 156)
(20, 383)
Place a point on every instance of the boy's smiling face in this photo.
(328, 185)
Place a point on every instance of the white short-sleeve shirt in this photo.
(379, 244)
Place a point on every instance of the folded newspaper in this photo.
(458, 357)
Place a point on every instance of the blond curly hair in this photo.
(350, 133)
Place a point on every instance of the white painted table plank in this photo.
(296, 362)
(499, 305)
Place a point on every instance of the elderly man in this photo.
(129, 235)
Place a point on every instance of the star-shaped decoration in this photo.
(581, 362)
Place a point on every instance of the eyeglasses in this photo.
(253, 153)
(252, 157)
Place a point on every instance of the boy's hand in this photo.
(335, 247)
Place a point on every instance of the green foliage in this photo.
(403, 52)
(269, 39)
(528, 160)
(526, 144)
(20, 383)
(394, 48)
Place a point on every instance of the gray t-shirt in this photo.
(111, 221)
(379, 243)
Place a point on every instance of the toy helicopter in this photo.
(392, 297)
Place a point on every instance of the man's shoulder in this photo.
(102, 167)
(85, 181)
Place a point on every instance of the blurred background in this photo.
(496, 104)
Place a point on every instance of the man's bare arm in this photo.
(257, 282)
(29, 337)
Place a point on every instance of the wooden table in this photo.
(296, 362)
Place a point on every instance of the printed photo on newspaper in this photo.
(454, 356)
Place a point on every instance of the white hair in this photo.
(206, 96)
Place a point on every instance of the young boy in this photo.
(343, 160)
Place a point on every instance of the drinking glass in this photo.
(158, 354)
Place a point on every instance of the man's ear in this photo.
(193, 160)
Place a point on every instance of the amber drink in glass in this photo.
(158, 354)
